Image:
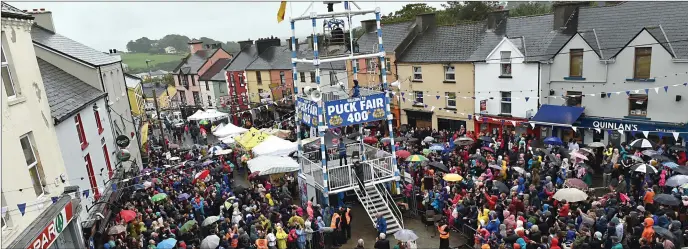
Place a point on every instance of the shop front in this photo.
(502, 125)
(450, 124)
(418, 119)
(57, 227)
(658, 132)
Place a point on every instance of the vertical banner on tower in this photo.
(345, 112)
(308, 111)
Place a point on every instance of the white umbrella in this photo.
(677, 180)
(570, 195)
(518, 169)
(223, 152)
(210, 242)
(210, 220)
(596, 145)
(405, 235)
(228, 140)
(649, 152)
(268, 165)
(428, 139)
(636, 158)
(642, 143)
(644, 168)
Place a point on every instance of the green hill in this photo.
(137, 61)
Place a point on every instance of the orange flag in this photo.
(282, 10)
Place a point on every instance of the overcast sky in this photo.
(106, 25)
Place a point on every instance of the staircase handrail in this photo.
(396, 212)
(369, 202)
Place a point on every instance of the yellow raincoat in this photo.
(270, 201)
(281, 238)
(483, 217)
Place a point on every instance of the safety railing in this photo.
(389, 202)
(369, 202)
(313, 169)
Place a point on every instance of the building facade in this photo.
(186, 75)
(135, 95)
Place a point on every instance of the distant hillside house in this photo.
(170, 50)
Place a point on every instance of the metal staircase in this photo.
(376, 199)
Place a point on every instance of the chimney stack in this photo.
(195, 45)
(43, 18)
(566, 16)
(289, 44)
(245, 44)
(369, 25)
(496, 20)
(426, 21)
(263, 44)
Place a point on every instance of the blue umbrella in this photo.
(671, 165)
(437, 147)
(183, 196)
(553, 141)
(139, 186)
(167, 244)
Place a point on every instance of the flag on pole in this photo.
(282, 10)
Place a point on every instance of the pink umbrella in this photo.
(576, 183)
(403, 154)
(577, 154)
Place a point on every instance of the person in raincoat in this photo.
(281, 238)
(270, 201)
(649, 232)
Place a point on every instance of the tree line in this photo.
(178, 42)
(456, 12)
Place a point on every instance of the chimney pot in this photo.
(35, 10)
(42, 9)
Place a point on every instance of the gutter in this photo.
(680, 60)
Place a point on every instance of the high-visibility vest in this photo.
(262, 244)
(334, 224)
(443, 234)
(348, 216)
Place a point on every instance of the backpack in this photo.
(292, 236)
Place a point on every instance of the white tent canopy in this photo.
(196, 116)
(210, 114)
(229, 130)
(268, 165)
(274, 146)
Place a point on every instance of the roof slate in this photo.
(446, 44)
(274, 58)
(392, 35)
(66, 94)
(215, 69)
(629, 18)
(243, 59)
(148, 89)
(70, 47)
(196, 60)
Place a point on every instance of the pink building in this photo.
(187, 74)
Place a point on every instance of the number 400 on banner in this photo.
(355, 111)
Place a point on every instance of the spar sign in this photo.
(355, 111)
(53, 229)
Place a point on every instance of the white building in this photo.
(32, 173)
(628, 72)
(83, 131)
(99, 70)
(170, 50)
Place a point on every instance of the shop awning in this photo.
(557, 115)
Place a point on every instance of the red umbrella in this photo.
(127, 215)
(488, 149)
(201, 175)
(370, 140)
(403, 154)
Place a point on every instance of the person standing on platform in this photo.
(358, 169)
(342, 152)
(356, 90)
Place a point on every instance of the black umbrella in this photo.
(353, 135)
(486, 139)
(677, 148)
(403, 128)
(440, 166)
(660, 157)
(413, 140)
(663, 232)
(463, 141)
(500, 186)
(667, 199)
(681, 170)
(400, 139)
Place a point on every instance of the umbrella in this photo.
(677, 148)
(438, 165)
(518, 169)
(405, 235)
(127, 215)
(636, 158)
(649, 152)
(223, 152)
(139, 186)
(453, 177)
(370, 140)
(667, 199)
(210, 220)
(403, 154)
(495, 166)
(426, 151)
(437, 147)
(642, 143)
(644, 168)
(167, 244)
(577, 154)
(386, 139)
(183, 197)
(485, 148)
(486, 139)
(187, 226)
(400, 139)
(677, 180)
(681, 170)
(660, 157)
(587, 151)
(416, 158)
(570, 195)
(663, 232)
(671, 165)
(159, 197)
(413, 140)
(210, 242)
(553, 141)
(428, 139)
(596, 145)
(576, 183)
(174, 158)
(173, 146)
(500, 186)
(118, 229)
(202, 175)
(463, 141)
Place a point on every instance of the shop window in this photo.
(505, 103)
(576, 63)
(643, 59)
(302, 75)
(574, 98)
(449, 74)
(417, 73)
(451, 99)
(419, 97)
(10, 89)
(505, 63)
(33, 162)
(597, 136)
(637, 105)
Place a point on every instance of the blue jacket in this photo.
(381, 225)
(493, 226)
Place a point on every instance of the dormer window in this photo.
(642, 62)
(505, 63)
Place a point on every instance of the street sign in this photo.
(122, 141)
(53, 230)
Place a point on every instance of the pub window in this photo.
(637, 105)
(505, 61)
(449, 74)
(576, 63)
(643, 58)
(574, 98)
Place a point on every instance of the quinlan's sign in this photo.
(614, 126)
(53, 230)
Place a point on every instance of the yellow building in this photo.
(437, 77)
(165, 95)
(258, 83)
(135, 94)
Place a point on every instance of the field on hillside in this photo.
(137, 61)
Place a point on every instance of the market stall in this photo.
(274, 146)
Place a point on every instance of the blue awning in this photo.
(557, 115)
